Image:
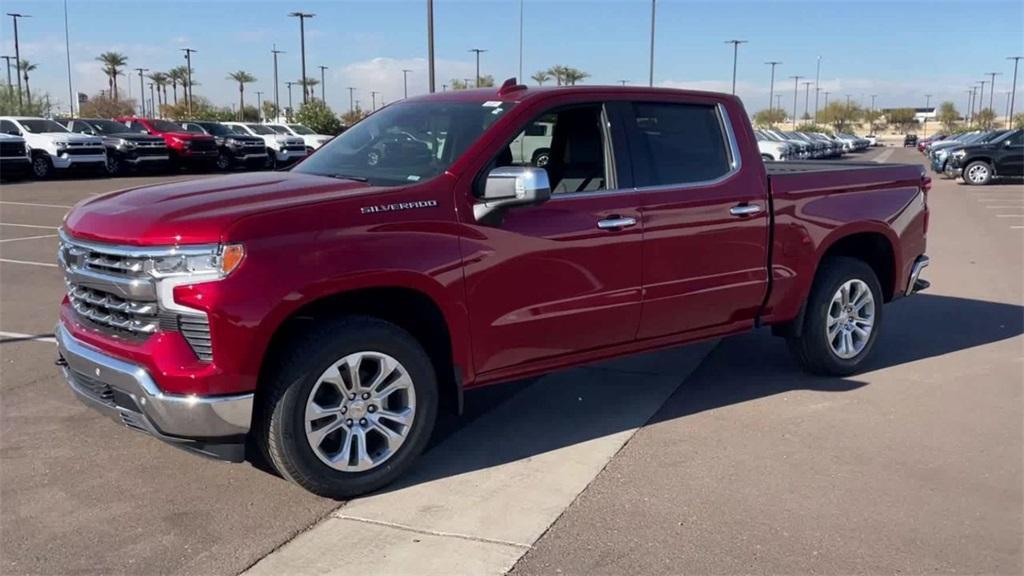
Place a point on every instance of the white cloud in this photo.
(384, 75)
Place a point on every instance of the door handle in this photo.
(745, 210)
(615, 222)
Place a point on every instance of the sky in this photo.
(897, 50)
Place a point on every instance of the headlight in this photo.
(215, 262)
(960, 153)
(127, 144)
(61, 145)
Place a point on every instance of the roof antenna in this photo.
(509, 86)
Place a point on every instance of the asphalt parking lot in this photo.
(719, 458)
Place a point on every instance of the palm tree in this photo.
(27, 67)
(178, 77)
(541, 77)
(572, 76)
(243, 78)
(309, 86)
(113, 62)
(160, 80)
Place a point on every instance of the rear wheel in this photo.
(978, 173)
(349, 407)
(842, 319)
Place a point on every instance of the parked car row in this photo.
(978, 156)
(779, 145)
(43, 147)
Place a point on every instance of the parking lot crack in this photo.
(438, 533)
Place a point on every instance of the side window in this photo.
(1016, 139)
(679, 143)
(568, 143)
(8, 127)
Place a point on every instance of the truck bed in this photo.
(774, 168)
(823, 178)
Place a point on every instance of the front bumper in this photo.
(213, 425)
(68, 160)
(289, 155)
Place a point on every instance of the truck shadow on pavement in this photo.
(522, 420)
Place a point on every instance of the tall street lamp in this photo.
(817, 89)
(1013, 89)
(10, 86)
(142, 89)
(826, 97)
(373, 100)
(323, 85)
(277, 98)
(477, 51)
(188, 71)
(152, 101)
(288, 115)
(650, 77)
(351, 98)
(17, 52)
(735, 54)
(405, 79)
(771, 83)
(807, 98)
(981, 97)
(259, 106)
(430, 45)
(302, 42)
(992, 89)
(796, 90)
(927, 104)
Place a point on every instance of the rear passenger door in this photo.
(1011, 161)
(705, 218)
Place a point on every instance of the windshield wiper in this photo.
(348, 177)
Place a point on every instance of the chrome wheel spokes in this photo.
(850, 319)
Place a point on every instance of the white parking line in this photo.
(884, 155)
(26, 262)
(1017, 199)
(1009, 215)
(37, 205)
(28, 226)
(27, 238)
(27, 337)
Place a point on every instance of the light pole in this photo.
(778, 102)
(735, 55)
(650, 77)
(351, 98)
(142, 89)
(1013, 89)
(1008, 95)
(981, 95)
(807, 98)
(974, 98)
(817, 89)
(430, 45)
(302, 43)
(288, 115)
(623, 82)
(67, 54)
(771, 83)
(10, 86)
(477, 51)
(373, 100)
(796, 90)
(967, 110)
(188, 71)
(992, 89)
(405, 80)
(927, 104)
(277, 96)
(17, 53)
(826, 98)
(323, 85)
(871, 114)
(152, 101)
(259, 106)
(522, 14)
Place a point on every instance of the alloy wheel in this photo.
(977, 174)
(360, 411)
(850, 319)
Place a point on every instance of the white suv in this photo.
(282, 149)
(312, 139)
(52, 146)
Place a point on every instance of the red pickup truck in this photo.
(330, 311)
(189, 149)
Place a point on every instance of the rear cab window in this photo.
(677, 143)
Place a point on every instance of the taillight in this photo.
(926, 184)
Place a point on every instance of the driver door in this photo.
(562, 277)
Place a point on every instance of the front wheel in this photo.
(978, 173)
(349, 407)
(114, 167)
(42, 168)
(842, 319)
(223, 162)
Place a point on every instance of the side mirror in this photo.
(511, 186)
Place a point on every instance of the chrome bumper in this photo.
(214, 426)
(915, 283)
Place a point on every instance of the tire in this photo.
(977, 173)
(42, 168)
(296, 386)
(541, 158)
(223, 162)
(271, 160)
(113, 166)
(814, 350)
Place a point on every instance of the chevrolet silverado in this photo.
(328, 312)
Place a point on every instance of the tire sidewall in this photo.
(977, 163)
(840, 271)
(375, 336)
(41, 166)
(113, 165)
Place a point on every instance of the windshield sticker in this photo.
(491, 104)
(413, 178)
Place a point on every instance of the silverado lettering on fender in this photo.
(310, 311)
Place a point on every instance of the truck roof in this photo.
(522, 92)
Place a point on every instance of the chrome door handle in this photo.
(616, 222)
(745, 210)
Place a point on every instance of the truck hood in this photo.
(68, 137)
(198, 211)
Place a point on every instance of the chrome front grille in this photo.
(110, 311)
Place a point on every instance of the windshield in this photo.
(405, 142)
(193, 128)
(994, 136)
(217, 129)
(300, 129)
(40, 126)
(165, 126)
(279, 129)
(110, 127)
(259, 129)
